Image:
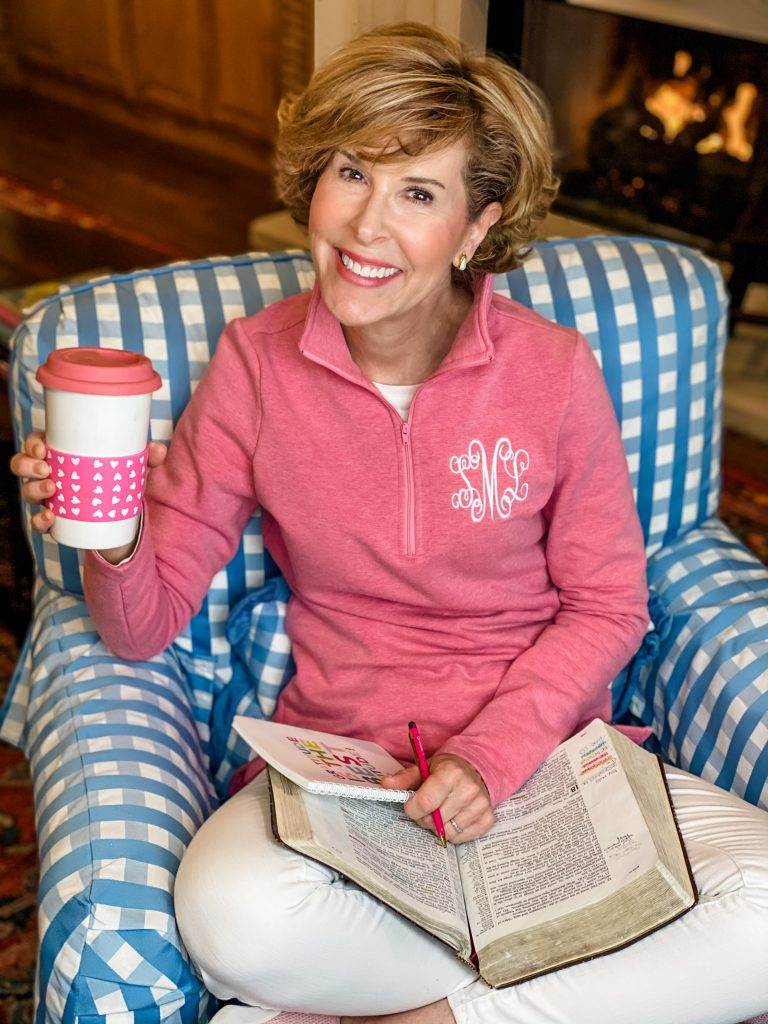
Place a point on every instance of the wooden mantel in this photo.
(747, 19)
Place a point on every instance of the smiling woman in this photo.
(417, 91)
(371, 227)
(445, 490)
(417, 167)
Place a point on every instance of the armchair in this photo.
(129, 758)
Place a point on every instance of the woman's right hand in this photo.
(30, 463)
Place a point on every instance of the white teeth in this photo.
(366, 271)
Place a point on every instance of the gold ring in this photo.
(455, 825)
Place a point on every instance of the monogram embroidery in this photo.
(486, 498)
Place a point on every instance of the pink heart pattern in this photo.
(96, 490)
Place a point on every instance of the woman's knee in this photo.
(726, 838)
(235, 892)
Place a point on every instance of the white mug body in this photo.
(96, 425)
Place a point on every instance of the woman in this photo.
(443, 484)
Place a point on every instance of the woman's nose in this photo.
(370, 219)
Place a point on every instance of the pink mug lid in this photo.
(99, 371)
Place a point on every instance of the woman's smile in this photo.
(374, 277)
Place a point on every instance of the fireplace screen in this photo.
(655, 126)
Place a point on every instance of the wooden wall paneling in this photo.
(78, 41)
(91, 44)
(297, 44)
(9, 58)
(38, 30)
(170, 47)
(205, 74)
(244, 41)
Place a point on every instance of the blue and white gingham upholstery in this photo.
(261, 665)
(120, 788)
(702, 677)
(129, 757)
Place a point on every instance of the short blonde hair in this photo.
(412, 84)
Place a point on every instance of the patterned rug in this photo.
(19, 197)
(18, 869)
(744, 507)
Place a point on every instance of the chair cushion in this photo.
(653, 312)
(702, 673)
(262, 665)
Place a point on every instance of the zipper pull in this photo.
(406, 432)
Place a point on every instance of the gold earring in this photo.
(463, 261)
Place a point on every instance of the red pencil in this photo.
(421, 760)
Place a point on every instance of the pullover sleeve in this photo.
(194, 509)
(596, 558)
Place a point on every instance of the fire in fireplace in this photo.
(676, 140)
(658, 128)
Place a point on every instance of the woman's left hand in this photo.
(455, 788)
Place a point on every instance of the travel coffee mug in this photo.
(97, 415)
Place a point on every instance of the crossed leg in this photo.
(279, 931)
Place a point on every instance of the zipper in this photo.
(410, 510)
(409, 531)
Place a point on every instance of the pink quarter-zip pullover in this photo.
(478, 567)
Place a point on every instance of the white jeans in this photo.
(279, 931)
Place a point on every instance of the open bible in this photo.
(585, 858)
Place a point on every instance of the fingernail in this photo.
(40, 451)
(42, 468)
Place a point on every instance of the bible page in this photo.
(381, 848)
(570, 836)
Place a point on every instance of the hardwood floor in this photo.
(145, 201)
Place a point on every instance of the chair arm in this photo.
(121, 786)
(700, 678)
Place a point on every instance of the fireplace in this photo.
(660, 129)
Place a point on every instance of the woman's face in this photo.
(384, 216)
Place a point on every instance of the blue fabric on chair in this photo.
(129, 758)
(121, 786)
(703, 676)
(174, 314)
(263, 665)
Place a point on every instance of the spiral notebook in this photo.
(320, 762)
